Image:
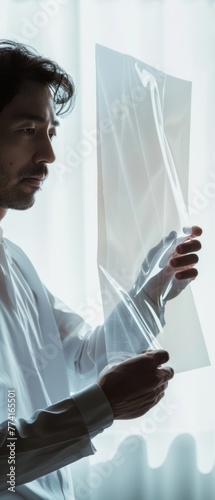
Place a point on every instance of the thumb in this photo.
(160, 356)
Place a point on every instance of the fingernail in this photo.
(187, 230)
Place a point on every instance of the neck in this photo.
(3, 212)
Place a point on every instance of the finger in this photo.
(188, 247)
(196, 231)
(171, 236)
(188, 274)
(142, 405)
(165, 374)
(161, 395)
(187, 260)
(193, 231)
(135, 398)
(163, 386)
(138, 410)
(159, 356)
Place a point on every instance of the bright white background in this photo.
(60, 232)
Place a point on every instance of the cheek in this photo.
(5, 167)
(8, 170)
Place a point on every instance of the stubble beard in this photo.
(17, 201)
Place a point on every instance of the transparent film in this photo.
(143, 116)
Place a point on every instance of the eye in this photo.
(29, 131)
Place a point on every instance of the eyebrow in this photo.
(34, 117)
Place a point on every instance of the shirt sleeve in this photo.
(89, 401)
(54, 437)
(85, 348)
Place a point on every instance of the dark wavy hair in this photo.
(19, 62)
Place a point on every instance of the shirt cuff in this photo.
(94, 408)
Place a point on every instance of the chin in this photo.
(22, 205)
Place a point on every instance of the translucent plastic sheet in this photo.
(143, 123)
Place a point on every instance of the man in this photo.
(47, 351)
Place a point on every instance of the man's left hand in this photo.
(169, 267)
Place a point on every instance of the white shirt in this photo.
(47, 352)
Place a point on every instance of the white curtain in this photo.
(173, 445)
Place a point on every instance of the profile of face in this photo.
(27, 126)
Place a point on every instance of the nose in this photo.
(44, 152)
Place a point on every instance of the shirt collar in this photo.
(5, 246)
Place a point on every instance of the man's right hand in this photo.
(136, 385)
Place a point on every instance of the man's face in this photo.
(27, 126)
